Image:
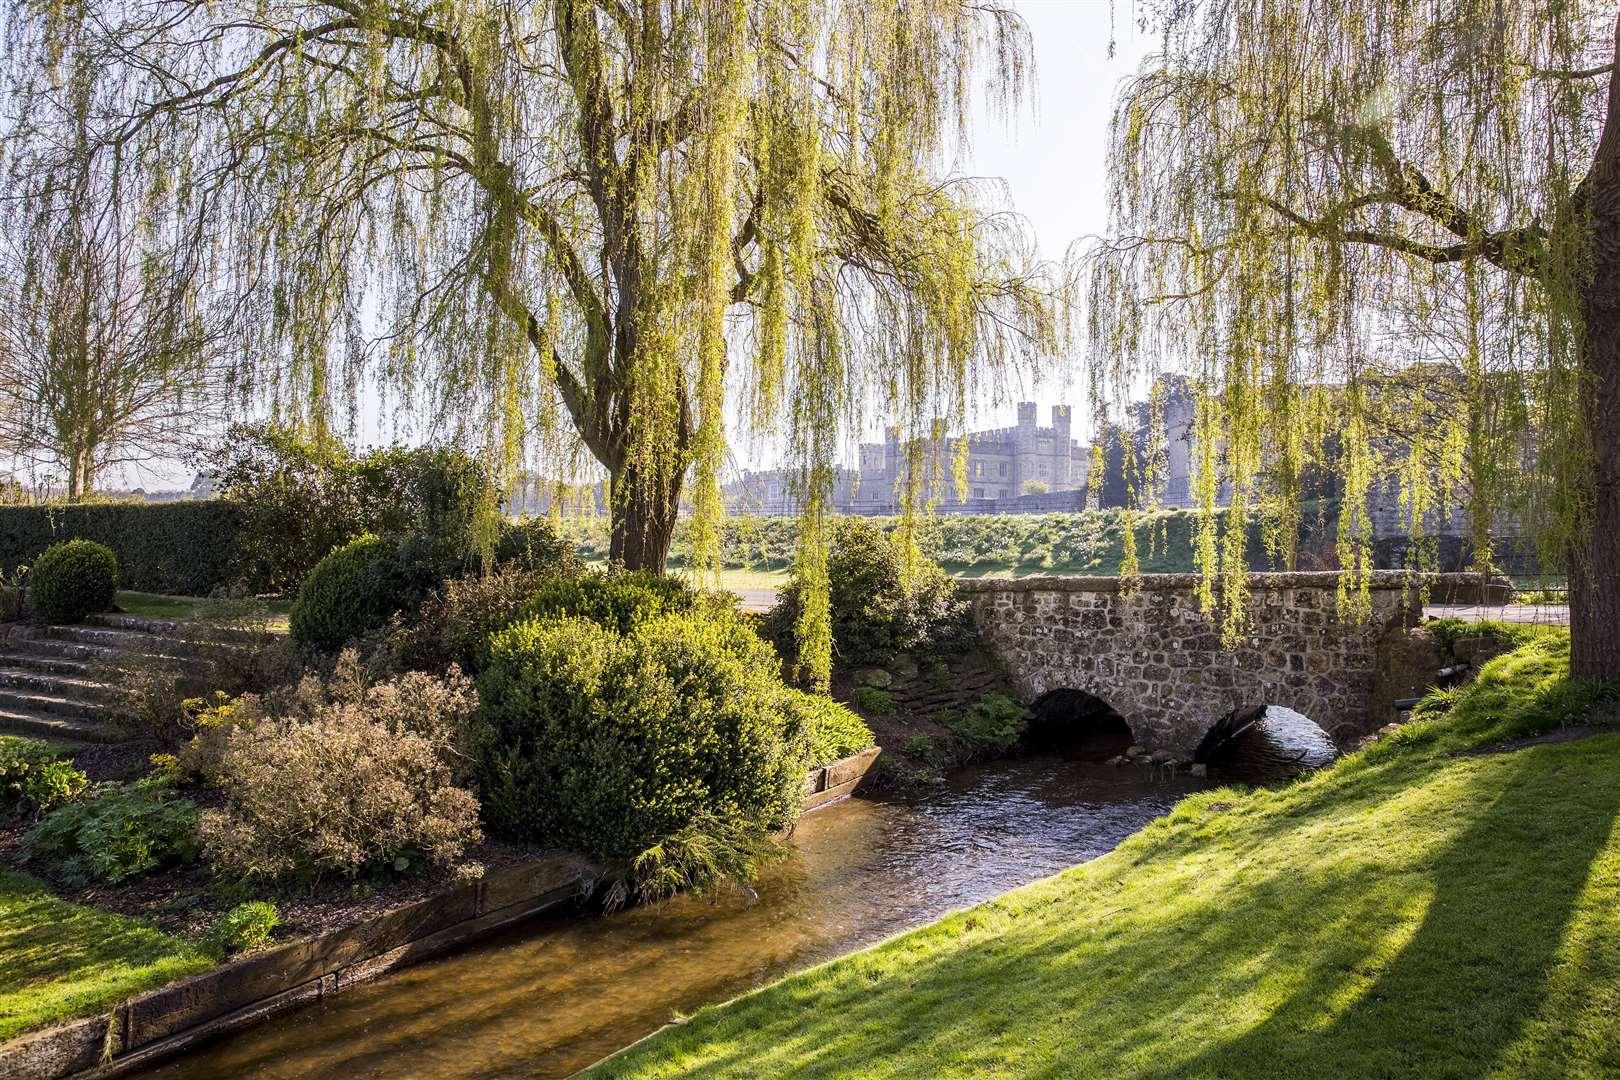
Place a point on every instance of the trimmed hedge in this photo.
(182, 547)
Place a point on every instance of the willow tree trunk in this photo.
(643, 514)
(1594, 588)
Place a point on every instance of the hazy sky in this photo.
(1051, 156)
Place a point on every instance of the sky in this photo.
(1051, 155)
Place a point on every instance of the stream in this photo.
(562, 991)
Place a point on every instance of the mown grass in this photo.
(162, 606)
(60, 960)
(1423, 909)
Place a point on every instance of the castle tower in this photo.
(1062, 447)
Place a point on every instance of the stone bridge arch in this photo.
(1155, 658)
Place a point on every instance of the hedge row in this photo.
(178, 547)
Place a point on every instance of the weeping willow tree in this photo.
(1323, 209)
(587, 222)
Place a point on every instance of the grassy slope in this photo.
(1418, 911)
(60, 960)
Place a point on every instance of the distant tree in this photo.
(1035, 487)
(106, 354)
(1308, 192)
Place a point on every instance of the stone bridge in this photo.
(1152, 657)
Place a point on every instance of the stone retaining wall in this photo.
(1150, 653)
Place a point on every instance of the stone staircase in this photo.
(51, 676)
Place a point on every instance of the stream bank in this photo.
(558, 993)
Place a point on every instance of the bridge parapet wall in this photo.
(1150, 653)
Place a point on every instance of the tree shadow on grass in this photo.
(1426, 959)
(1458, 995)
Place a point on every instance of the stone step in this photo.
(54, 665)
(62, 686)
(63, 729)
(113, 638)
(29, 701)
(60, 649)
(180, 630)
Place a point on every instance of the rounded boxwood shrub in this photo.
(71, 580)
(356, 588)
(616, 743)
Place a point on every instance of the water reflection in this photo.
(556, 994)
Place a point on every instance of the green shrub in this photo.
(299, 498)
(616, 743)
(34, 777)
(355, 589)
(185, 547)
(124, 831)
(340, 777)
(833, 731)
(878, 606)
(533, 544)
(454, 623)
(992, 725)
(617, 601)
(871, 699)
(245, 927)
(71, 580)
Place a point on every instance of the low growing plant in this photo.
(921, 747)
(871, 699)
(71, 580)
(992, 725)
(33, 775)
(246, 927)
(123, 831)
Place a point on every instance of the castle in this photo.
(1023, 468)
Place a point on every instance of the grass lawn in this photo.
(161, 606)
(60, 960)
(1421, 910)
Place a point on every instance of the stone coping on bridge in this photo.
(1378, 580)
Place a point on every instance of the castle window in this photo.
(1003, 469)
(978, 493)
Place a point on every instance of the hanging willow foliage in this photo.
(1357, 226)
(574, 222)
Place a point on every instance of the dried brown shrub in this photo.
(340, 777)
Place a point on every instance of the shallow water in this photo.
(562, 991)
